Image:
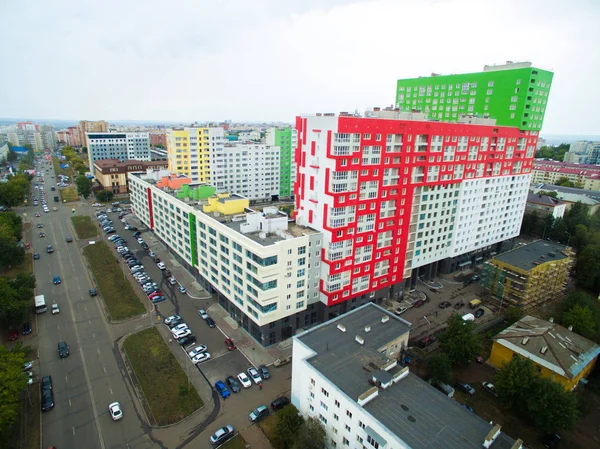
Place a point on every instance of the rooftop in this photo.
(593, 194)
(413, 410)
(538, 198)
(529, 256)
(550, 345)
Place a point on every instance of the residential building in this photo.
(63, 137)
(549, 172)
(529, 275)
(159, 139)
(13, 138)
(544, 205)
(583, 152)
(250, 169)
(286, 139)
(556, 352)
(346, 373)
(111, 174)
(76, 139)
(251, 135)
(3, 152)
(395, 195)
(27, 126)
(571, 195)
(189, 151)
(514, 94)
(121, 146)
(264, 269)
(85, 127)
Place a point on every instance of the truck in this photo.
(40, 304)
(474, 303)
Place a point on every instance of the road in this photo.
(91, 377)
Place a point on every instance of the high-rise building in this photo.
(85, 126)
(189, 150)
(76, 139)
(514, 94)
(121, 146)
(285, 139)
(395, 195)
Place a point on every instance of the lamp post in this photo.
(428, 330)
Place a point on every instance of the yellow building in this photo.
(226, 204)
(189, 150)
(556, 352)
(529, 274)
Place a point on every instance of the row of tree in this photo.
(12, 384)
(16, 298)
(11, 252)
(74, 159)
(14, 191)
(554, 152)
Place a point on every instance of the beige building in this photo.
(549, 172)
(111, 174)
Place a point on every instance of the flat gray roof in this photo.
(269, 239)
(420, 415)
(529, 256)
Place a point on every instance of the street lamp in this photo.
(428, 331)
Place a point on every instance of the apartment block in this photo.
(348, 374)
(189, 151)
(85, 126)
(394, 194)
(111, 174)
(514, 94)
(121, 146)
(250, 169)
(264, 268)
(544, 205)
(549, 172)
(286, 139)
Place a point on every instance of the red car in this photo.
(13, 335)
(229, 344)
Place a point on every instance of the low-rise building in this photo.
(557, 353)
(346, 373)
(111, 174)
(572, 195)
(549, 172)
(544, 205)
(529, 274)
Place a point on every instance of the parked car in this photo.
(187, 340)
(551, 441)
(182, 289)
(490, 388)
(210, 322)
(400, 310)
(182, 333)
(254, 375)
(27, 328)
(222, 389)
(172, 281)
(459, 304)
(201, 358)
(479, 313)
(172, 318)
(161, 266)
(419, 303)
(466, 388)
(36, 256)
(179, 327)
(282, 361)
(222, 435)
(115, 411)
(229, 344)
(63, 349)
(28, 366)
(279, 403)
(47, 400)
(244, 380)
(258, 413)
(55, 309)
(264, 372)
(445, 304)
(426, 341)
(46, 383)
(13, 335)
(203, 314)
(197, 350)
(233, 384)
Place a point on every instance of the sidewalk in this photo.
(255, 438)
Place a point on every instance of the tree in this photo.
(84, 186)
(514, 382)
(530, 223)
(564, 181)
(12, 155)
(439, 368)
(459, 341)
(104, 195)
(10, 253)
(587, 268)
(12, 383)
(15, 223)
(513, 314)
(311, 435)
(581, 238)
(581, 318)
(288, 425)
(551, 407)
(11, 194)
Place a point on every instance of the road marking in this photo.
(66, 379)
(58, 326)
(93, 335)
(73, 430)
(69, 403)
(98, 349)
(111, 392)
(85, 308)
(104, 368)
(89, 321)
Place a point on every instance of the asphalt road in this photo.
(91, 377)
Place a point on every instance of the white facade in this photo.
(121, 146)
(253, 259)
(245, 136)
(251, 170)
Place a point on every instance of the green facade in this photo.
(514, 96)
(283, 139)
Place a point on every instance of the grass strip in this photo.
(84, 227)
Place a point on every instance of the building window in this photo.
(348, 413)
(325, 392)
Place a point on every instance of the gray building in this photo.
(121, 146)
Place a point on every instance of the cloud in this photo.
(273, 59)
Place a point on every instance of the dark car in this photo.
(419, 303)
(466, 388)
(279, 403)
(233, 384)
(210, 322)
(137, 233)
(69, 239)
(47, 400)
(187, 340)
(145, 245)
(445, 304)
(175, 322)
(13, 335)
(46, 383)
(133, 228)
(27, 329)
(264, 372)
(36, 256)
(258, 413)
(551, 441)
(426, 341)
(167, 273)
(49, 249)
(229, 344)
(479, 313)
(93, 292)
(459, 304)
(63, 349)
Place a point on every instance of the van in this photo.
(468, 317)
(474, 303)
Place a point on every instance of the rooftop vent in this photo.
(385, 319)
(544, 349)
(359, 340)
(524, 341)
(367, 329)
(341, 327)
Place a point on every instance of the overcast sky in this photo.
(255, 60)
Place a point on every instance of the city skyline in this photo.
(322, 60)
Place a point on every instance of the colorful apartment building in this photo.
(549, 172)
(394, 194)
(285, 139)
(189, 151)
(514, 94)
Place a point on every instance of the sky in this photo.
(271, 60)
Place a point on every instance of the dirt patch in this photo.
(26, 432)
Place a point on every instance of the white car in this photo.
(182, 333)
(203, 314)
(203, 357)
(172, 318)
(197, 350)
(254, 375)
(96, 205)
(244, 380)
(140, 240)
(179, 327)
(55, 309)
(115, 411)
(161, 266)
(172, 281)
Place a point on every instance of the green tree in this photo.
(564, 181)
(551, 407)
(11, 194)
(311, 435)
(84, 186)
(10, 252)
(12, 383)
(514, 382)
(439, 368)
(513, 314)
(15, 223)
(104, 195)
(459, 341)
(530, 223)
(581, 238)
(12, 155)
(587, 268)
(581, 318)
(287, 426)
